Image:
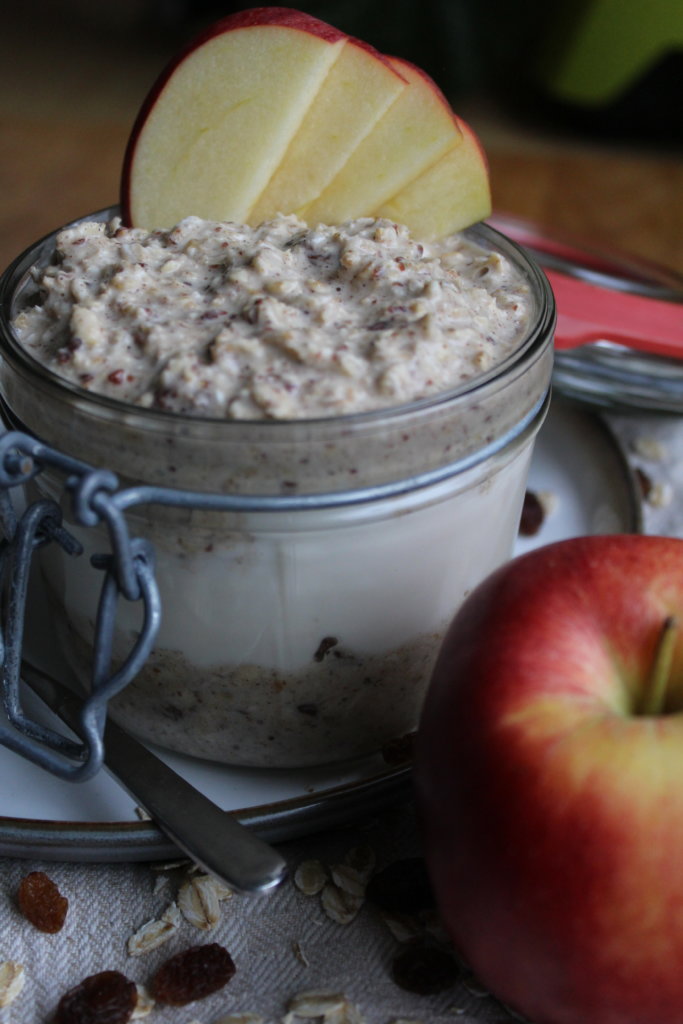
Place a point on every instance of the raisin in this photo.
(325, 645)
(533, 515)
(195, 973)
(104, 998)
(424, 968)
(402, 888)
(41, 902)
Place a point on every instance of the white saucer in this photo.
(577, 464)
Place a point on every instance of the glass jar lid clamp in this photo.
(128, 571)
(128, 568)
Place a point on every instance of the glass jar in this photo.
(299, 632)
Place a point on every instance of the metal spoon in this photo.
(211, 837)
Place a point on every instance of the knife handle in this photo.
(210, 836)
(213, 838)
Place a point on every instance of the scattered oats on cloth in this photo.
(155, 933)
(12, 978)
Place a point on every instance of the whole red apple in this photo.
(549, 774)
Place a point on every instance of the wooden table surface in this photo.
(66, 106)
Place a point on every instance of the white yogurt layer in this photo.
(297, 639)
(276, 322)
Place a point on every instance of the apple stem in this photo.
(655, 693)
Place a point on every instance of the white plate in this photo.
(578, 463)
(576, 460)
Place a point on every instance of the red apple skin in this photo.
(255, 16)
(552, 816)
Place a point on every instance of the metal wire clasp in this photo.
(128, 573)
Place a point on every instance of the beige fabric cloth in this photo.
(109, 902)
(268, 937)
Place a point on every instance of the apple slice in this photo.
(218, 121)
(417, 129)
(359, 87)
(449, 196)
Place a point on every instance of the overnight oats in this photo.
(389, 391)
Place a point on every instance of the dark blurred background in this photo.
(579, 103)
(608, 66)
(613, 67)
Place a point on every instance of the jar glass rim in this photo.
(18, 275)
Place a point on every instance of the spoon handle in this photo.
(211, 837)
(587, 312)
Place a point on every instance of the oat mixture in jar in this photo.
(391, 391)
(280, 321)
